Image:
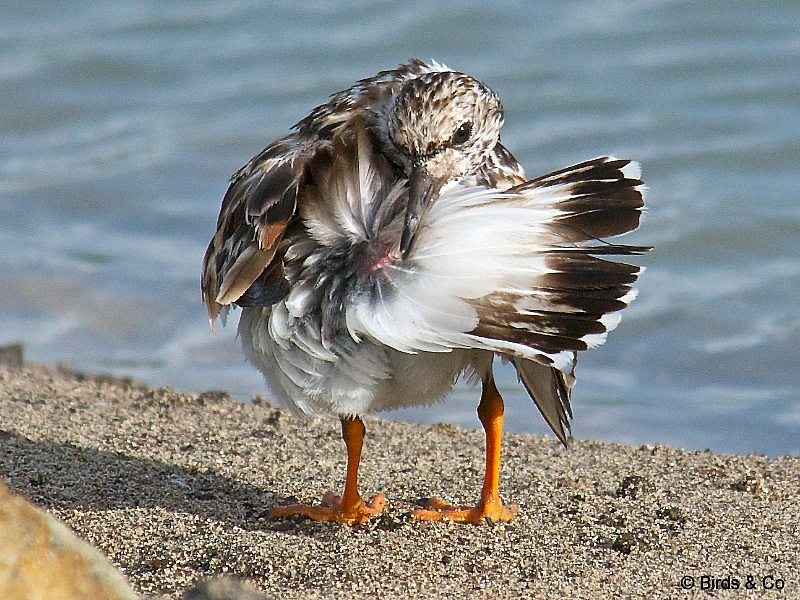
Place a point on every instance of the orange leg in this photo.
(348, 508)
(490, 413)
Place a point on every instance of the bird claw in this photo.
(332, 508)
(489, 512)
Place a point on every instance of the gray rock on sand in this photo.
(41, 559)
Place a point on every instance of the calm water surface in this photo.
(121, 123)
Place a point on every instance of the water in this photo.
(121, 123)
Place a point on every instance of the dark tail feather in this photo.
(604, 197)
(607, 249)
(550, 389)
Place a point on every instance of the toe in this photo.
(493, 512)
(331, 508)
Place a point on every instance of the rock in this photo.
(12, 356)
(223, 588)
(42, 559)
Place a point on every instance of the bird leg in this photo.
(489, 508)
(349, 508)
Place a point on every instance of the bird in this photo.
(390, 244)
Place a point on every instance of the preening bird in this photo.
(391, 244)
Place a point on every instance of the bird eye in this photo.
(461, 135)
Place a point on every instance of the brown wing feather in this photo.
(258, 206)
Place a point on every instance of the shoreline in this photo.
(174, 487)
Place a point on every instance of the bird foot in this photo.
(333, 509)
(490, 512)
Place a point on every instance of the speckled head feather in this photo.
(445, 120)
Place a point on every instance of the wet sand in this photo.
(174, 487)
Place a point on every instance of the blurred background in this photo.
(121, 123)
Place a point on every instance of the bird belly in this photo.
(427, 377)
(354, 377)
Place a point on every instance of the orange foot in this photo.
(333, 509)
(491, 512)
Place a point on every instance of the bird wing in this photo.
(510, 270)
(256, 210)
(262, 197)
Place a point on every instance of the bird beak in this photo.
(422, 190)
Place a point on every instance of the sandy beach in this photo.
(174, 488)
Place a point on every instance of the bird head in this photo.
(441, 126)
